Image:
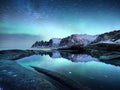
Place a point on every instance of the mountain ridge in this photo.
(80, 39)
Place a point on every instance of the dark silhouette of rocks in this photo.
(51, 43)
(41, 44)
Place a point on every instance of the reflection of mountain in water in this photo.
(112, 57)
(73, 57)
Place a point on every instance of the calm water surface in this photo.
(83, 68)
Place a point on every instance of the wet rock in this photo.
(18, 54)
(17, 77)
(109, 57)
(73, 85)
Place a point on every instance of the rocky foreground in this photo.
(17, 77)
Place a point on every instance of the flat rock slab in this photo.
(20, 78)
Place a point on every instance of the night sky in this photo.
(59, 18)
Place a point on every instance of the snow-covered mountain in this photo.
(77, 39)
(81, 40)
(110, 37)
(55, 42)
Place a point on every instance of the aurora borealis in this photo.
(59, 18)
(92, 63)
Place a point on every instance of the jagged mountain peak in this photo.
(108, 37)
(77, 39)
(81, 40)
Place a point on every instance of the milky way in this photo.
(59, 18)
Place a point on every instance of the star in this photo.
(70, 72)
